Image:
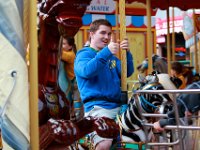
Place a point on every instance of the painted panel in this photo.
(137, 45)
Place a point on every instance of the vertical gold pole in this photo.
(154, 41)
(198, 49)
(33, 76)
(191, 59)
(85, 35)
(168, 43)
(117, 19)
(117, 24)
(195, 44)
(123, 52)
(149, 37)
(173, 36)
(197, 134)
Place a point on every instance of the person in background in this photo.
(187, 105)
(98, 74)
(176, 71)
(68, 56)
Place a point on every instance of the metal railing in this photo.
(177, 127)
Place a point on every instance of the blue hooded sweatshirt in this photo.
(98, 77)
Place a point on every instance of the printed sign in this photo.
(101, 6)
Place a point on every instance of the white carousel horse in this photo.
(14, 101)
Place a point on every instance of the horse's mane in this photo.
(160, 64)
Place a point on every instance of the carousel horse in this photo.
(14, 96)
(130, 120)
(159, 64)
(59, 18)
(133, 132)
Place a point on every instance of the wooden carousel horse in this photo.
(59, 18)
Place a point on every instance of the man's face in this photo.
(101, 37)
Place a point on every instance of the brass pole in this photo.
(197, 134)
(195, 44)
(33, 76)
(123, 52)
(117, 24)
(168, 43)
(173, 36)
(149, 37)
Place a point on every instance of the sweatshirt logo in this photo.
(112, 64)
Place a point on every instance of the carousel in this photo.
(36, 109)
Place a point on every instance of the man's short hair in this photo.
(94, 26)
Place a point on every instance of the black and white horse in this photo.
(130, 120)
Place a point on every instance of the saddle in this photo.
(52, 104)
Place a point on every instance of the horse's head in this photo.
(57, 18)
(152, 103)
(143, 66)
(64, 15)
(159, 64)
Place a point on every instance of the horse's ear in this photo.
(155, 72)
(176, 81)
